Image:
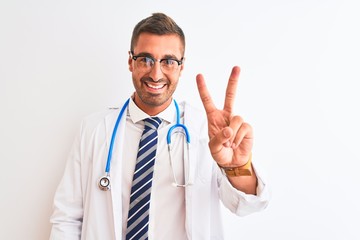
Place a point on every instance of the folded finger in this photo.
(245, 132)
(220, 140)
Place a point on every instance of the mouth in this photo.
(154, 86)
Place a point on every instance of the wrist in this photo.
(243, 170)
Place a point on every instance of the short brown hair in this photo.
(159, 24)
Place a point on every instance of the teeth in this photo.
(155, 86)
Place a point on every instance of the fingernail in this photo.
(227, 144)
(226, 133)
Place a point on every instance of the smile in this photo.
(155, 86)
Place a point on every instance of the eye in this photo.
(146, 61)
(168, 62)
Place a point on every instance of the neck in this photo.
(151, 110)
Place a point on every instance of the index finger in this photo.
(231, 89)
(204, 94)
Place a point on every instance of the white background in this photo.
(299, 88)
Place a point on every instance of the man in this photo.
(183, 185)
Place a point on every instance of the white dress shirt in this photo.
(167, 205)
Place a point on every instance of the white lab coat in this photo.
(83, 211)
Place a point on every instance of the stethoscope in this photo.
(104, 182)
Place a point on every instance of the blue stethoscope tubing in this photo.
(108, 162)
(104, 182)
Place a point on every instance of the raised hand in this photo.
(231, 139)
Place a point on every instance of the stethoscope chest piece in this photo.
(104, 183)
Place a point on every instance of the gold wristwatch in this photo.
(244, 170)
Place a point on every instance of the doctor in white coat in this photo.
(218, 164)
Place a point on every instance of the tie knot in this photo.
(152, 123)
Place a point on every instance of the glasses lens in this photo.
(144, 64)
(169, 65)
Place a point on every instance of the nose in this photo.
(156, 73)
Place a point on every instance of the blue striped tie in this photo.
(138, 218)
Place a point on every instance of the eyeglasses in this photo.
(146, 63)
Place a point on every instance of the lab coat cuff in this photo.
(241, 203)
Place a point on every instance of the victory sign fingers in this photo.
(226, 131)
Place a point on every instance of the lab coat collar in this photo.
(136, 114)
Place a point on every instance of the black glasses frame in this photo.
(179, 62)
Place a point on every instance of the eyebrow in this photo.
(167, 56)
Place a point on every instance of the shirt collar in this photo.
(136, 114)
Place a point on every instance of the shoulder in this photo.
(99, 119)
(100, 116)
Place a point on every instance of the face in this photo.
(154, 89)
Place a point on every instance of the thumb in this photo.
(221, 140)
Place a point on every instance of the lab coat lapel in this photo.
(116, 168)
(190, 120)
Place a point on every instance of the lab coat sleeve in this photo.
(238, 202)
(68, 209)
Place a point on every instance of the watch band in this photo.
(244, 170)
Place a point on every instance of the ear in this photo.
(182, 66)
(130, 62)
